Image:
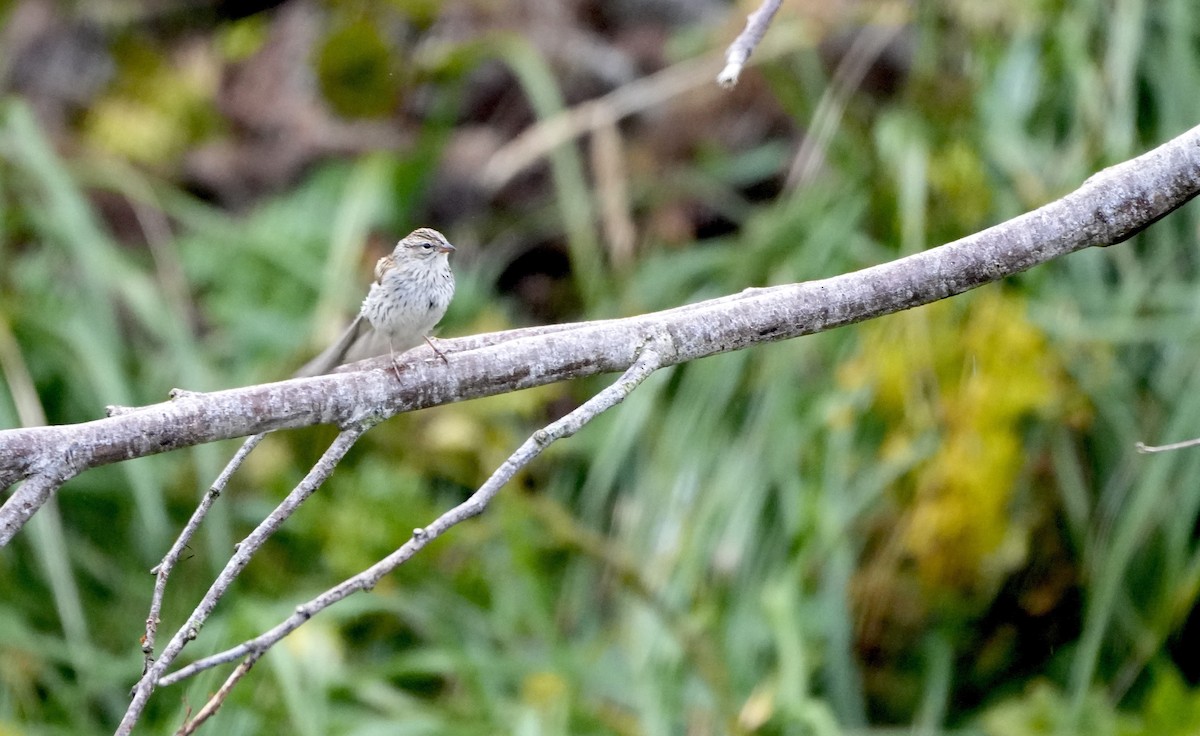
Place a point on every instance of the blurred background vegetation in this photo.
(930, 523)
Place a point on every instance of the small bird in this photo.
(412, 289)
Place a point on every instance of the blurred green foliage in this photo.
(935, 520)
(353, 68)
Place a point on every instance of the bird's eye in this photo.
(427, 245)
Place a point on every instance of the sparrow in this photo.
(413, 287)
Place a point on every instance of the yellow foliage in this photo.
(157, 109)
(242, 38)
(959, 184)
(972, 377)
(543, 690)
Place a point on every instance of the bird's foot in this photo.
(433, 347)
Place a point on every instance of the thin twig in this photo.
(218, 699)
(656, 353)
(866, 48)
(241, 557)
(31, 495)
(612, 194)
(542, 137)
(163, 569)
(1147, 449)
(742, 46)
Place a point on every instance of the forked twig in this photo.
(657, 352)
(241, 557)
(163, 569)
(218, 698)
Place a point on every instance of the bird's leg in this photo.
(440, 354)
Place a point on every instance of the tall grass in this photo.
(739, 548)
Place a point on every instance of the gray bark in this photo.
(1108, 208)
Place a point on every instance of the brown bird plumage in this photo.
(413, 287)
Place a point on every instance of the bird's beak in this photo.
(446, 248)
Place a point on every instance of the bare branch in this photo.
(659, 351)
(1108, 208)
(241, 557)
(162, 570)
(26, 500)
(218, 699)
(1148, 449)
(742, 46)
